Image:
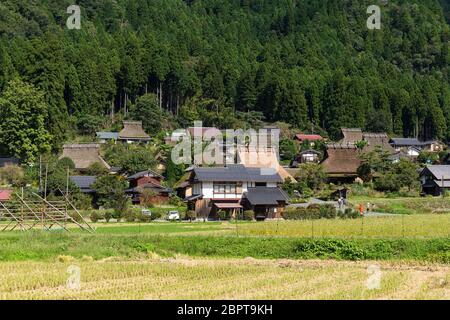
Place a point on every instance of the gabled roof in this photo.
(309, 137)
(237, 172)
(83, 155)
(406, 142)
(151, 186)
(261, 158)
(351, 135)
(108, 135)
(438, 171)
(341, 159)
(84, 182)
(145, 173)
(133, 130)
(375, 140)
(265, 196)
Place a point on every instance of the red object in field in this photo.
(361, 209)
(5, 195)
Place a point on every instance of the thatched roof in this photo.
(83, 155)
(262, 158)
(132, 130)
(341, 160)
(375, 140)
(351, 135)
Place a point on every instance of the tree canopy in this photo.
(308, 63)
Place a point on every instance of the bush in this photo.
(156, 215)
(223, 215)
(117, 214)
(96, 216)
(75, 216)
(248, 215)
(348, 214)
(108, 215)
(327, 212)
(190, 215)
(130, 215)
(143, 217)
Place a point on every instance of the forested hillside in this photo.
(310, 63)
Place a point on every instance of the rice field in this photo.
(204, 278)
(395, 226)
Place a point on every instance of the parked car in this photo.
(173, 215)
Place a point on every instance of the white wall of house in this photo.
(272, 184)
(207, 189)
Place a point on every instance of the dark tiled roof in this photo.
(237, 172)
(265, 196)
(84, 182)
(150, 186)
(8, 161)
(406, 142)
(145, 173)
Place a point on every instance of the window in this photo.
(225, 187)
(261, 184)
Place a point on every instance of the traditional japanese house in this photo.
(435, 179)
(235, 188)
(147, 180)
(84, 155)
(133, 132)
(341, 163)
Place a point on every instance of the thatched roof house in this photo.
(380, 140)
(133, 132)
(351, 135)
(342, 161)
(83, 155)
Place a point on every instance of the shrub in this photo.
(130, 215)
(327, 212)
(248, 215)
(75, 216)
(190, 215)
(143, 217)
(348, 214)
(108, 215)
(95, 216)
(223, 215)
(156, 215)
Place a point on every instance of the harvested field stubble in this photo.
(186, 278)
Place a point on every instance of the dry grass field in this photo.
(186, 278)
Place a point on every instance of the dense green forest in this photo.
(310, 63)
